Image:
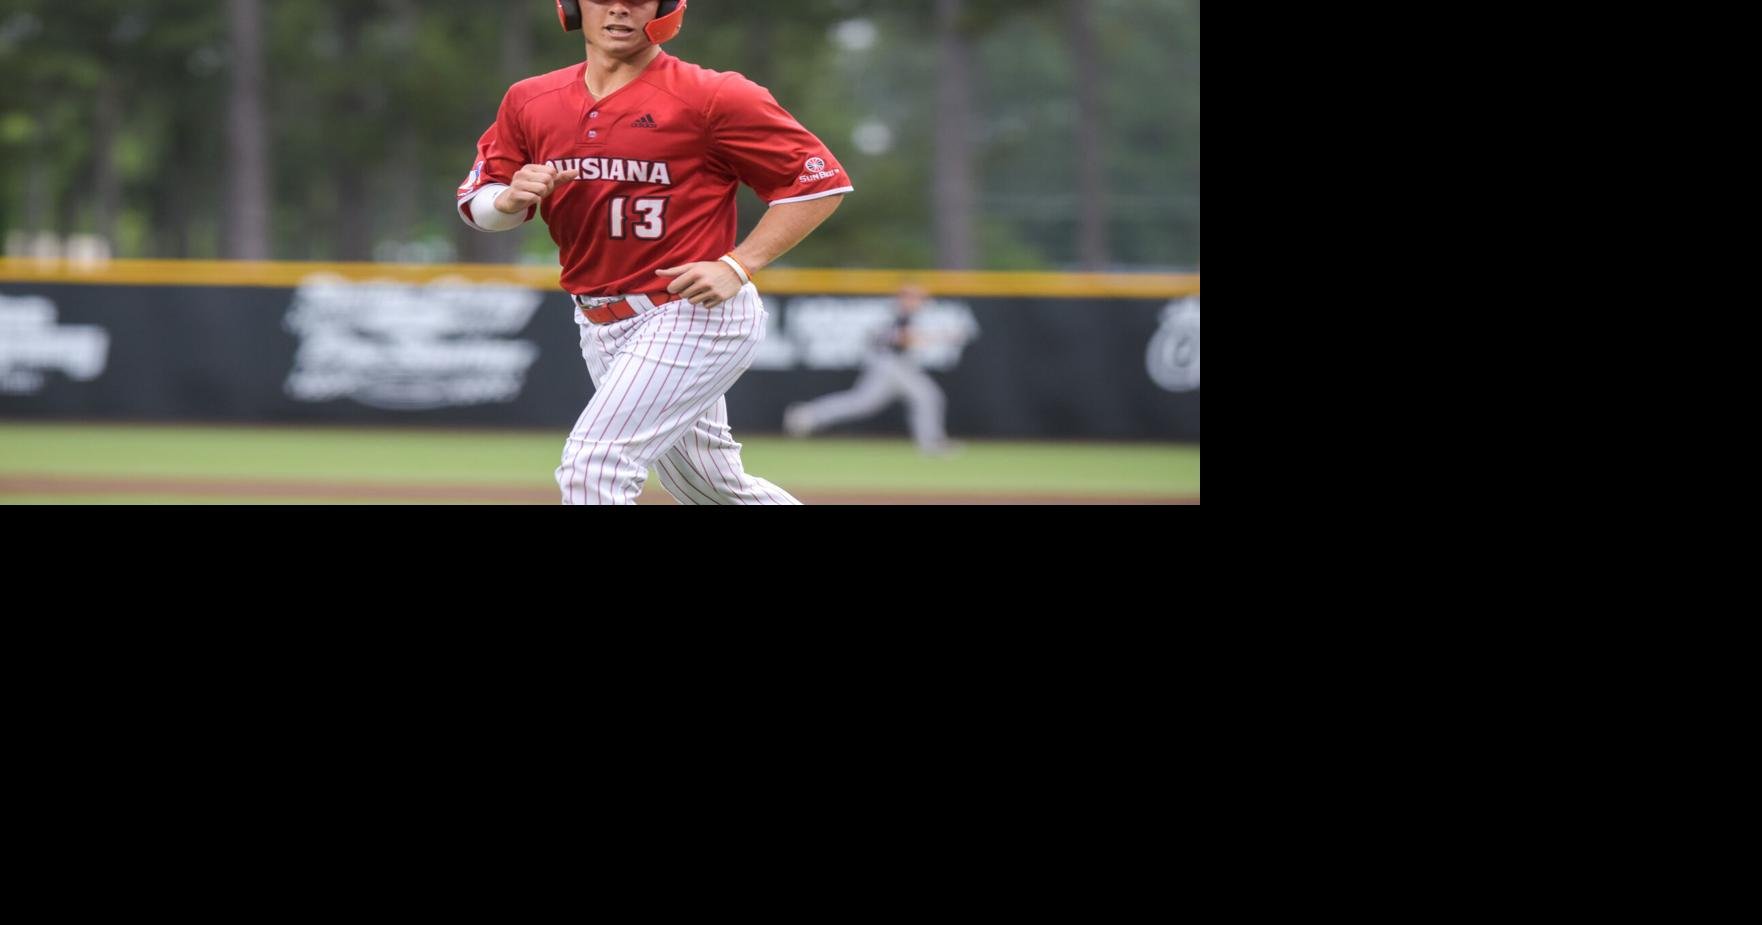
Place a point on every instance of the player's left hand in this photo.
(706, 284)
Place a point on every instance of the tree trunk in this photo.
(247, 137)
(954, 206)
(171, 238)
(1091, 148)
(502, 247)
(106, 181)
(39, 194)
(359, 196)
(401, 180)
(168, 203)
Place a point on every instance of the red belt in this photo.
(621, 310)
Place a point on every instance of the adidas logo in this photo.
(645, 122)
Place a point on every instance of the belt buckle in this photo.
(600, 301)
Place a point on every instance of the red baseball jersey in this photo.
(661, 160)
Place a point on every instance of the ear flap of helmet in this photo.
(666, 25)
(569, 13)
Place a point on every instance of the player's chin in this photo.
(622, 48)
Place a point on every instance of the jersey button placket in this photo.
(596, 127)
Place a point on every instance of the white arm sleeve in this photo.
(486, 217)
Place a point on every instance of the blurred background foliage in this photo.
(988, 134)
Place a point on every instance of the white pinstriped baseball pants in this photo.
(659, 381)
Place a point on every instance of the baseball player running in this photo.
(634, 158)
(889, 374)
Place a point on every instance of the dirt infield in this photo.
(293, 491)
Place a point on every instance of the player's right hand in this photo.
(531, 184)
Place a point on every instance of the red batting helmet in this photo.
(666, 24)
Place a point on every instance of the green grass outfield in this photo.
(147, 464)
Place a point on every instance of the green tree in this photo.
(987, 133)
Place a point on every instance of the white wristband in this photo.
(729, 259)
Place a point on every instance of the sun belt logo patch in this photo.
(816, 170)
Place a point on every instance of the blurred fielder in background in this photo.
(889, 374)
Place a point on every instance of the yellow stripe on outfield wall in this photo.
(776, 281)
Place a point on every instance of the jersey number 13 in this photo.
(647, 219)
